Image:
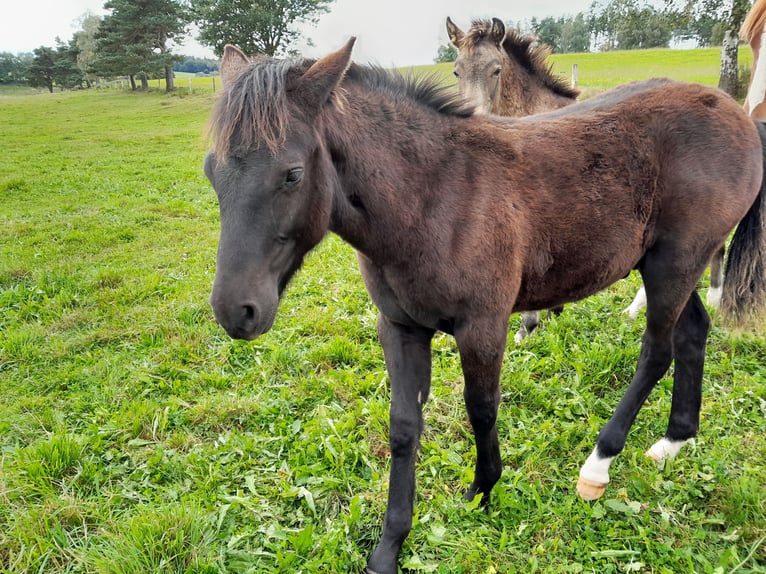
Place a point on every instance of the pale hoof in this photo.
(632, 313)
(655, 456)
(589, 490)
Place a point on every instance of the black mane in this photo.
(427, 90)
(254, 107)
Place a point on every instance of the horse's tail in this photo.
(744, 286)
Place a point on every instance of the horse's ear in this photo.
(455, 34)
(319, 81)
(498, 31)
(233, 64)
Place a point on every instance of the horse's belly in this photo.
(567, 282)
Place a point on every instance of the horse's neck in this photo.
(528, 95)
(384, 167)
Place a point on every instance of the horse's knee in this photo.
(482, 410)
(404, 436)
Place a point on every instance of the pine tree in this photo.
(134, 39)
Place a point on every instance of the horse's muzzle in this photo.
(241, 320)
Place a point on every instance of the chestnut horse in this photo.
(753, 31)
(502, 72)
(460, 220)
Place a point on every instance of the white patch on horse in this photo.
(665, 449)
(714, 297)
(596, 468)
(757, 90)
(639, 302)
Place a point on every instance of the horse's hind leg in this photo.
(408, 361)
(716, 278)
(668, 292)
(689, 340)
(529, 322)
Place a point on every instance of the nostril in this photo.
(249, 312)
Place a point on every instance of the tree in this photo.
(133, 39)
(626, 25)
(729, 78)
(447, 53)
(575, 35)
(548, 31)
(256, 26)
(698, 20)
(564, 34)
(85, 40)
(66, 73)
(117, 53)
(196, 65)
(643, 28)
(42, 70)
(14, 68)
(164, 20)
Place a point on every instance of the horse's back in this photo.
(603, 181)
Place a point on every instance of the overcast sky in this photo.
(389, 32)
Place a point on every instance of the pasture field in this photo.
(135, 437)
(597, 72)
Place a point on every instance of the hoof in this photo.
(631, 313)
(589, 490)
(653, 455)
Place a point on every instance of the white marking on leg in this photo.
(596, 468)
(519, 336)
(714, 297)
(665, 449)
(639, 302)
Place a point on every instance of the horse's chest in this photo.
(408, 297)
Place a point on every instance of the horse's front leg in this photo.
(481, 346)
(408, 360)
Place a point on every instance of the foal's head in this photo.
(504, 72)
(273, 178)
(480, 62)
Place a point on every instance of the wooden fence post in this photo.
(574, 75)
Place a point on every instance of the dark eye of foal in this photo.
(497, 72)
(294, 176)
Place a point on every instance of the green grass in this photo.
(136, 437)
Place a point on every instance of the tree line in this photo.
(138, 39)
(633, 24)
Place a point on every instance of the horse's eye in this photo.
(496, 73)
(294, 176)
(456, 74)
